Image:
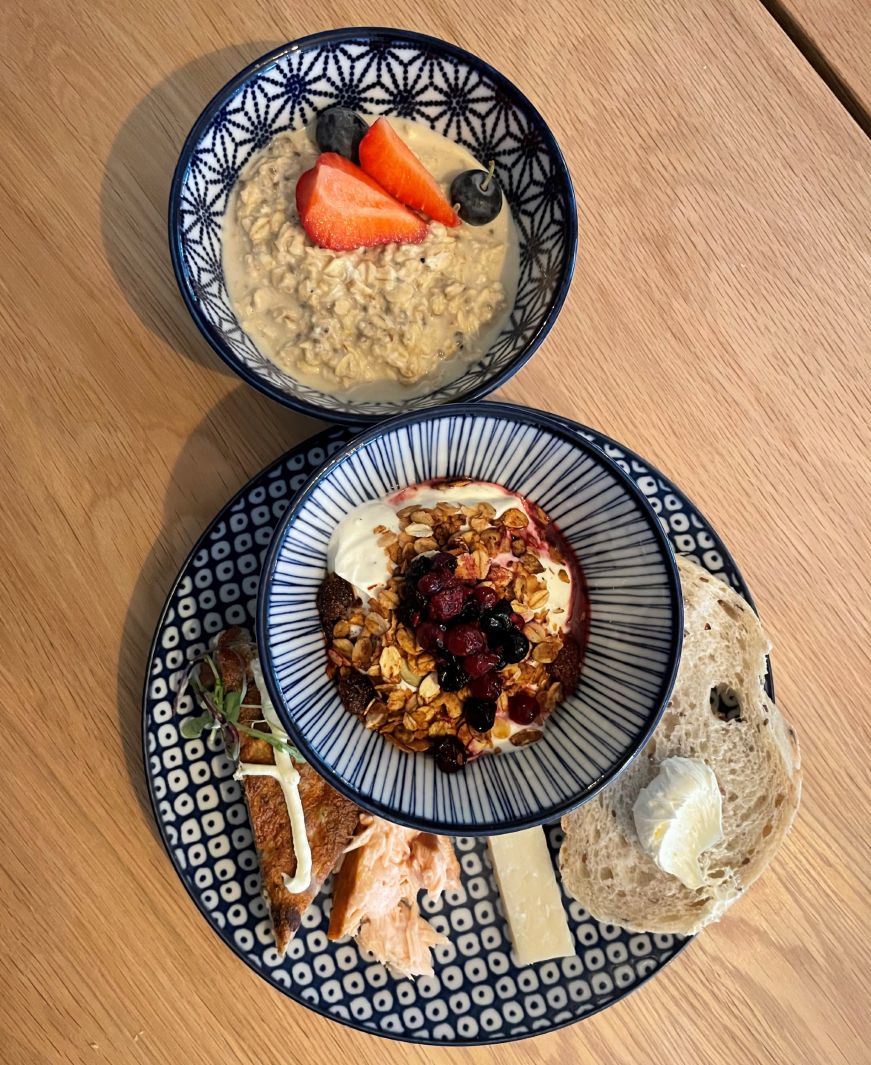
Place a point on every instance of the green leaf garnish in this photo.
(278, 743)
(232, 706)
(223, 709)
(232, 746)
(192, 728)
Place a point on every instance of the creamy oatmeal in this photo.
(375, 322)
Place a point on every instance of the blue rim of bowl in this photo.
(326, 37)
(528, 416)
(347, 1023)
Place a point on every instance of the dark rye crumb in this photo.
(356, 691)
(335, 598)
(566, 667)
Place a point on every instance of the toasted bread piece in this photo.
(751, 749)
(330, 818)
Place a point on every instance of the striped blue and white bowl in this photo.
(636, 620)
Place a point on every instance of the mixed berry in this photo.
(367, 187)
(340, 130)
(477, 196)
(474, 639)
(473, 635)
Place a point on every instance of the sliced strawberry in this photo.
(385, 156)
(341, 208)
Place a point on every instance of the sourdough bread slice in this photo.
(741, 736)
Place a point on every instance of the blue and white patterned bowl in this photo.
(390, 72)
(635, 608)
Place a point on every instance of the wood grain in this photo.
(718, 323)
(841, 30)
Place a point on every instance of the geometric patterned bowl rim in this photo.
(212, 335)
(604, 441)
(514, 413)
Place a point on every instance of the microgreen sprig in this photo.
(222, 710)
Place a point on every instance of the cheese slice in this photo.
(531, 896)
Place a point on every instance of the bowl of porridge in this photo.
(367, 222)
(469, 619)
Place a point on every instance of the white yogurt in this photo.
(462, 495)
(355, 554)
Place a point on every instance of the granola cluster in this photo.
(462, 650)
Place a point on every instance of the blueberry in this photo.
(415, 599)
(494, 626)
(494, 640)
(418, 567)
(451, 676)
(477, 196)
(409, 616)
(471, 611)
(502, 607)
(340, 130)
(450, 754)
(480, 714)
(412, 606)
(515, 647)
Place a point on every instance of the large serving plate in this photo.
(478, 995)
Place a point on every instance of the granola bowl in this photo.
(470, 620)
(363, 335)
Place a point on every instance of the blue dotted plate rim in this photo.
(527, 416)
(349, 33)
(341, 435)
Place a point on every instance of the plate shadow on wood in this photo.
(207, 474)
(135, 193)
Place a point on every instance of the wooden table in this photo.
(718, 323)
(836, 37)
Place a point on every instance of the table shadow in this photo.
(196, 493)
(135, 192)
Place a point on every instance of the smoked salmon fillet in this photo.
(376, 889)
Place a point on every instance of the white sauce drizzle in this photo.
(284, 771)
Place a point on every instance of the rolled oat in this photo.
(338, 320)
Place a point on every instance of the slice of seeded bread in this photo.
(718, 712)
